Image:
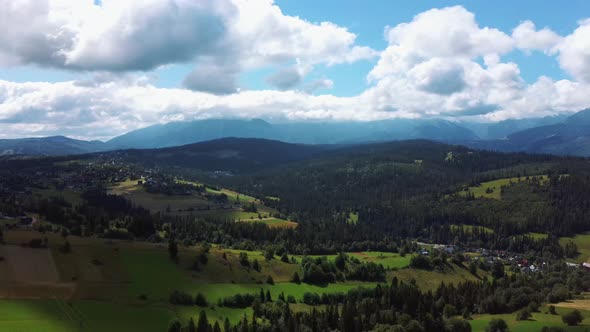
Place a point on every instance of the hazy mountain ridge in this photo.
(563, 135)
(569, 137)
(49, 146)
(178, 133)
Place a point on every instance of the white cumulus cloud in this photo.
(528, 38)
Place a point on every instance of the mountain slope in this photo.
(235, 155)
(505, 128)
(49, 146)
(182, 133)
(570, 137)
(179, 133)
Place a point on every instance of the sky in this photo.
(94, 69)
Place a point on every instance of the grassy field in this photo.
(156, 202)
(430, 280)
(183, 205)
(273, 222)
(70, 195)
(60, 316)
(387, 259)
(538, 236)
(469, 228)
(127, 284)
(539, 319)
(492, 189)
(583, 243)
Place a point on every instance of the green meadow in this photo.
(583, 243)
(493, 189)
(536, 323)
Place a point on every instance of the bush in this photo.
(457, 325)
(238, 301)
(285, 258)
(244, 259)
(523, 314)
(256, 265)
(497, 325)
(420, 262)
(572, 318)
(296, 278)
(311, 298)
(270, 280)
(201, 300)
(180, 298)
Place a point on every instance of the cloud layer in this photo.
(441, 63)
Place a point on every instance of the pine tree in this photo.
(191, 326)
(203, 324)
(226, 325)
(174, 327)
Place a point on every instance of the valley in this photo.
(106, 239)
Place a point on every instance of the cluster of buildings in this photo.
(514, 260)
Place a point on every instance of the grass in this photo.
(234, 196)
(536, 323)
(469, 228)
(430, 280)
(182, 204)
(387, 259)
(59, 316)
(583, 243)
(108, 294)
(214, 292)
(273, 222)
(156, 202)
(70, 195)
(155, 275)
(538, 236)
(492, 189)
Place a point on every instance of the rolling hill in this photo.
(234, 155)
(49, 146)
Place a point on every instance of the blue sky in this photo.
(368, 20)
(96, 69)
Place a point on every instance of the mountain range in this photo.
(562, 135)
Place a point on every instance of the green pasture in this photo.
(492, 189)
(536, 323)
(61, 316)
(583, 243)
